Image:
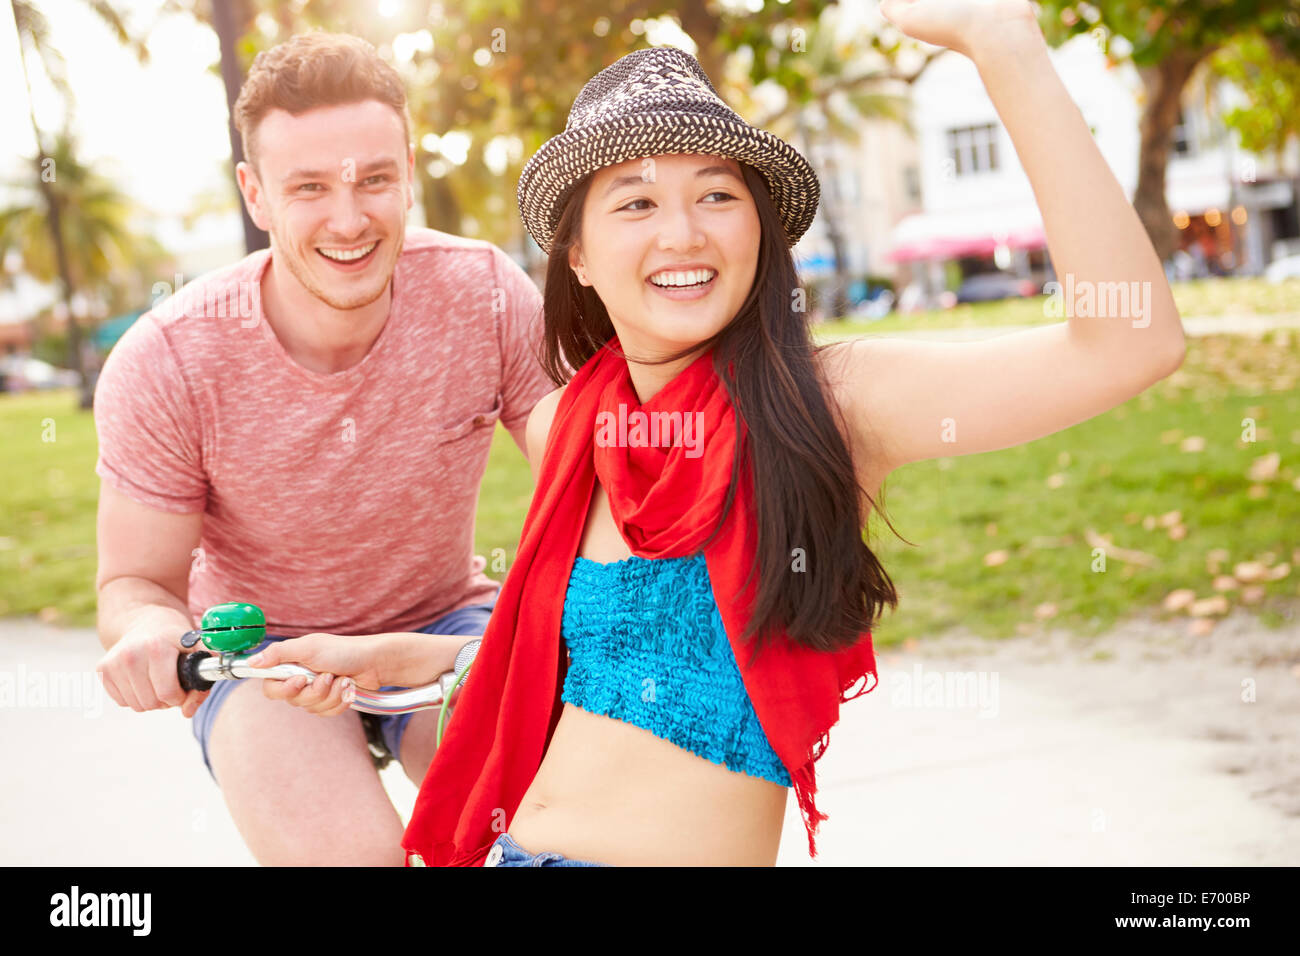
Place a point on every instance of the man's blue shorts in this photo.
(470, 621)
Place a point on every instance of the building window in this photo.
(973, 149)
(1183, 142)
(912, 183)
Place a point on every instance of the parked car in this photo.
(877, 307)
(991, 286)
(22, 372)
(1279, 270)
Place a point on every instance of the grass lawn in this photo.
(1197, 297)
(1003, 541)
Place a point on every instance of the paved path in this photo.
(1148, 756)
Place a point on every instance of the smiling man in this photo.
(306, 430)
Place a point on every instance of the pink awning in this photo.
(973, 232)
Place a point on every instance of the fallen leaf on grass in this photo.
(995, 558)
(1248, 572)
(1207, 606)
(1127, 555)
(1265, 468)
(1214, 559)
(1192, 443)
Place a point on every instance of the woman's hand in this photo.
(339, 661)
(344, 662)
(971, 27)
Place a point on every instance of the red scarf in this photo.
(665, 502)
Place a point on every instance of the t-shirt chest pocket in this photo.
(483, 419)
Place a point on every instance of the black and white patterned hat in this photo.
(648, 103)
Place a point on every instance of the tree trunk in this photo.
(702, 27)
(839, 297)
(1163, 83)
(228, 29)
(441, 209)
(54, 220)
(837, 302)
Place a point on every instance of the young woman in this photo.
(692, 596)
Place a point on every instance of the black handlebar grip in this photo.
(187, 671)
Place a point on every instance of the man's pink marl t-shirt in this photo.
(335, 502)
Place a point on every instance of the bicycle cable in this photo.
(442, 711)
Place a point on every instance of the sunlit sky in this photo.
(158, 130)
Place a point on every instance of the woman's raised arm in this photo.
(1121, 332)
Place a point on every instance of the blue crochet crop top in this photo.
(648, 647)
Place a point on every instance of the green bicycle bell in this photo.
(229, 628)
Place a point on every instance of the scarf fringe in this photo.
(869, 683)
(805, 778)
(805, 790)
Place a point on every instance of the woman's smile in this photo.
(680, 284)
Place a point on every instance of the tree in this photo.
(104, 257)
(1271, 81)
(500, 75)
(34, 39)
(1167, 40)
(231, 21)
(831, 85)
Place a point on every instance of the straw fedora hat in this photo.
(648, 103)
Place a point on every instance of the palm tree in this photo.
(96, 241)
(34, 39)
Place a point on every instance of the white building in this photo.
(979, 211)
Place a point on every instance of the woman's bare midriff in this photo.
(610, 792)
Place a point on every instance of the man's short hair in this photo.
(316, 69)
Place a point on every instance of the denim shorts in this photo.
(470, 621)
(506, 852)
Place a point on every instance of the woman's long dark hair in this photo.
(806, 492)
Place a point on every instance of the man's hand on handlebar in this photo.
(139, 671)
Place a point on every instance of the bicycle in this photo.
(229, 630)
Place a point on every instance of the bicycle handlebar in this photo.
(200, 670)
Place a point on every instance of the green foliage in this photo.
(107, 258)
(1271, 83)
(1155, 28)
(509, 71)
